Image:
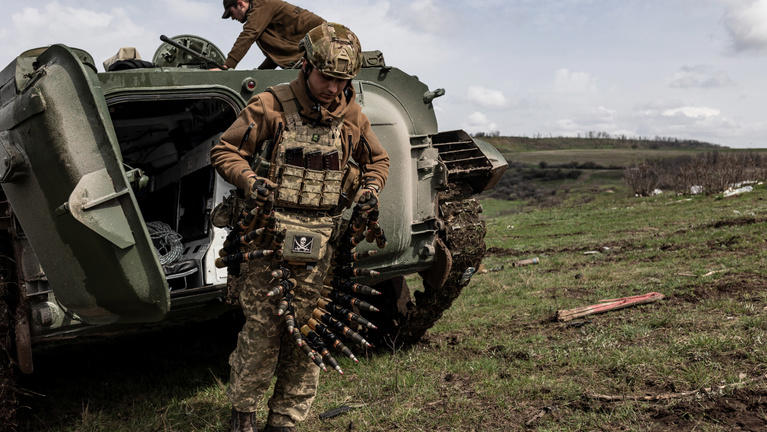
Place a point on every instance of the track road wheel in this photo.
(464, 247)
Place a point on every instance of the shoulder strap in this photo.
(289, 102)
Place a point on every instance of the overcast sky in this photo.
(683, 68)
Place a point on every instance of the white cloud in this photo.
(746, 22)
(99, 33)
(475, 4)
(423, 15)
(686, 121)
(478, 122)
(380, 26)
(448, 44)
(692, 112)
(63, 18)
(700, 76)
(566, 81)
(189, 10)
(605, 114)
(486, 97)
(568, 125)
(597, 119)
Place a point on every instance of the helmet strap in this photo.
(307, 69)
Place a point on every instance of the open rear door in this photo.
(62, 172)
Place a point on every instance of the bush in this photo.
(642, 179)
(713, 171)
(522, 182)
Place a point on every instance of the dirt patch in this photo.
(108, 374)
(499, 251)
(667, 247)
(508, 355)
(451, 344)
(741, 283)
(739, 221)
(569, 291)
(735, 285)
(726, 243)
(460, 392)
(614, 247)
(742, 410)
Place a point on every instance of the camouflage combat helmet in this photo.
(333, 50)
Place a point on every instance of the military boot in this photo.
(243, 421)
(277, 418)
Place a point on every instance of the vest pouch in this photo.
(350, 183)
(306, 238)
(227, 211)
(261, 166)
(311, 193)
(331, 188)
(290, 178)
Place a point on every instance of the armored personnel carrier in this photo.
(107, 191)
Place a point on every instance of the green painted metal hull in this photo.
(67, 135)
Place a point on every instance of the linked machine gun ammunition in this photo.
(338, 314)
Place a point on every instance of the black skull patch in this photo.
(302, 244)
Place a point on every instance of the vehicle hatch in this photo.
(63, 174)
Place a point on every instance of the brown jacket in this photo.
(265, 113)
(277, 27)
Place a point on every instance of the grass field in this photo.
(614, 158)
(605, 152)
(497, 360)
(524, 144)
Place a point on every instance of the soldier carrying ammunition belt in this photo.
(301, 152)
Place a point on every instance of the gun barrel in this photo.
(200, 56)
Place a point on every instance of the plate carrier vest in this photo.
(306, 163)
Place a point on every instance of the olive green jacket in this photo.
(277, 27)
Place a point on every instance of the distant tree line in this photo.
(656, 138)
(588, 165)
(593, 139)
(487, 134)
(709, 172)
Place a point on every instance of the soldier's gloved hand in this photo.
(367, 198)
(260, 189)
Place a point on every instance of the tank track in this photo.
(464, 236)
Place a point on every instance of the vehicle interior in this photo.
(168, 138)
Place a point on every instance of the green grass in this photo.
(606, 158)
(496, 360)
(523, 144)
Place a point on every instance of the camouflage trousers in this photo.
(265, 349)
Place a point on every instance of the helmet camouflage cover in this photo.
(333, 50)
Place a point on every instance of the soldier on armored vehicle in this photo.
(288, 151)
(276, 26)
